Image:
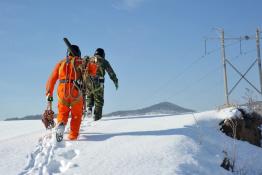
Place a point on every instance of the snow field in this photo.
(150, 144)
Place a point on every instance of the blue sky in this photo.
(155, 47)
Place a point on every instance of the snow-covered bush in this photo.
(243, 124)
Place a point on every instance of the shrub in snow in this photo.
(247, 126)
(227, 163)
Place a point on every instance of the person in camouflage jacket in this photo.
(97, 66)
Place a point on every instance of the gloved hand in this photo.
(116, 84)
(49, 98)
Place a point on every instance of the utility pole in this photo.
(226, 61)
(223, 54)
(259, 58)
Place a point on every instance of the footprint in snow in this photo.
(86, 123)
(70, 154)
(50, 157)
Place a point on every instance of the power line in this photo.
(185, 70)
(205, 76)
(227, 62)
(189, 67)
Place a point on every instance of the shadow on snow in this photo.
(203, 134)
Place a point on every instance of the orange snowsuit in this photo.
(69, 96)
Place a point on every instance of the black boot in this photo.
(96, 117)
(89, 112)
(98, 113)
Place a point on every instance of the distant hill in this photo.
(160, 108)
(29, 117)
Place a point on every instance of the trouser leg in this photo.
(99, 103)
(90, 100)
(63, 113)
(76, 112)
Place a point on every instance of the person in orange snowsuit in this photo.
(68, 72)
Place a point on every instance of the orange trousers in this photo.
(67, 104)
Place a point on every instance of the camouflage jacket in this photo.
(103, 67)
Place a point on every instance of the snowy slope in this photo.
(132, 145)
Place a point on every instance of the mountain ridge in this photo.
(159, 108)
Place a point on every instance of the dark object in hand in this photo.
(48, 119)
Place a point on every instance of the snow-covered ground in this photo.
(134, 145)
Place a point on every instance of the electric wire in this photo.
(210, 72)
(184, 71)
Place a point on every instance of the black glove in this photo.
(116, 84)
(49, 98)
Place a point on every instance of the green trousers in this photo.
(95, 98)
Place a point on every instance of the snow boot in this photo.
(89, 112)
(97, 117)
(72, 136)
(97, 113)
(60, 129)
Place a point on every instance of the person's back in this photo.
(103, 66)
(97, 66)
(70, 99)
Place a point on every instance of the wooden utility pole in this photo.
(259, 58)
(223, 54)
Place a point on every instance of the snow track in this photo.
(50, 157)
